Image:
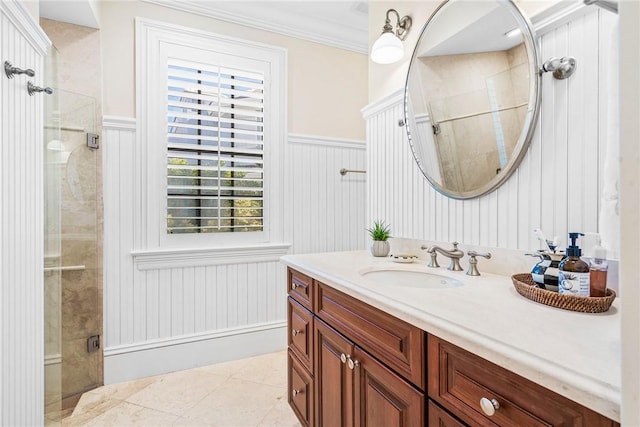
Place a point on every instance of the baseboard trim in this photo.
(126, 363)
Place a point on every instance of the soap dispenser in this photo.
(573, 277)
(598, 271)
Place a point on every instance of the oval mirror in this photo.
(472, 95)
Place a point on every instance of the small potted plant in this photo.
(379, 234)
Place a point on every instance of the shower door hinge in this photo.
(93, 343)
(92, 140)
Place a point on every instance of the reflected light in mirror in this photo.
(513, 33)
(387, 49)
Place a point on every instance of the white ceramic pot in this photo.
(380, 248)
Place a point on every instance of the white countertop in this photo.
(574, 354)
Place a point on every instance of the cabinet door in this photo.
(333, 378)
(382, 398)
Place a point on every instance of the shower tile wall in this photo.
(462, 107)
(81, 205)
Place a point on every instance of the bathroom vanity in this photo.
(365, 350)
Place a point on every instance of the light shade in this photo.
(387, 49)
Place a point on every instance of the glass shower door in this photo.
(52, 248)
(73, 301)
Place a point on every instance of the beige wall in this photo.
(386, 79)
(629, 208)
(327, 86)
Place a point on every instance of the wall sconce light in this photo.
(388, 48)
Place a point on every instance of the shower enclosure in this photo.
(72, 267)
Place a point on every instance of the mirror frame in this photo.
(531, 116)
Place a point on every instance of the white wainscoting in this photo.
(326, 209)
(23, 44)
(171, 310)
(558, 184)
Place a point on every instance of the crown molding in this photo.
(264, 16)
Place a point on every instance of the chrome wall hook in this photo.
(561, 68)
(11, 71)
(31, 88)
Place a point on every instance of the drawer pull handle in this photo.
(295, 392)
(295, 332)
(294, 286)
(489, 407)
(352, 363)
(344, 357)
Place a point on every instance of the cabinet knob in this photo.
(352, 363)
(295, 332)
(489, 407)
(344, 357)
(294, 286)
(295, 392)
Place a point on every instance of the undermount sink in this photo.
(410, 278)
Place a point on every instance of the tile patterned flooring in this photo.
(241, 393)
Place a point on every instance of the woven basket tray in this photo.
(527, 288)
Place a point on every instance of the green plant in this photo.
(380, 231)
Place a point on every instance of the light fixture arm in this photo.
(403, 24)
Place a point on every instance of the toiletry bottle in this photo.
(598, 272)
(573, 277)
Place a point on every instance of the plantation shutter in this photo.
(215, 149)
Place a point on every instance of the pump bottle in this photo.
(573, 275)
(598, 272)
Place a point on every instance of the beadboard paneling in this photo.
(21, 222)
(156, 300)
(326, 210)
(557, 186)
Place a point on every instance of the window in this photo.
(215, 155)
(212, 121)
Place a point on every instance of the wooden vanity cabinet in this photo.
(356, 353)
(353, 365)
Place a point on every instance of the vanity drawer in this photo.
(300, 288)
(300, 393)
(458, 380)
(394, 342)
(300, 333)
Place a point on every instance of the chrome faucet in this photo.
(454, 255)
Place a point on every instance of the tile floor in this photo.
(247, 392)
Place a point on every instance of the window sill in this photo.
(195, 257)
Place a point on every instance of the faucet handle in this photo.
(473, 262)
(474, 254)
(434, 260)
